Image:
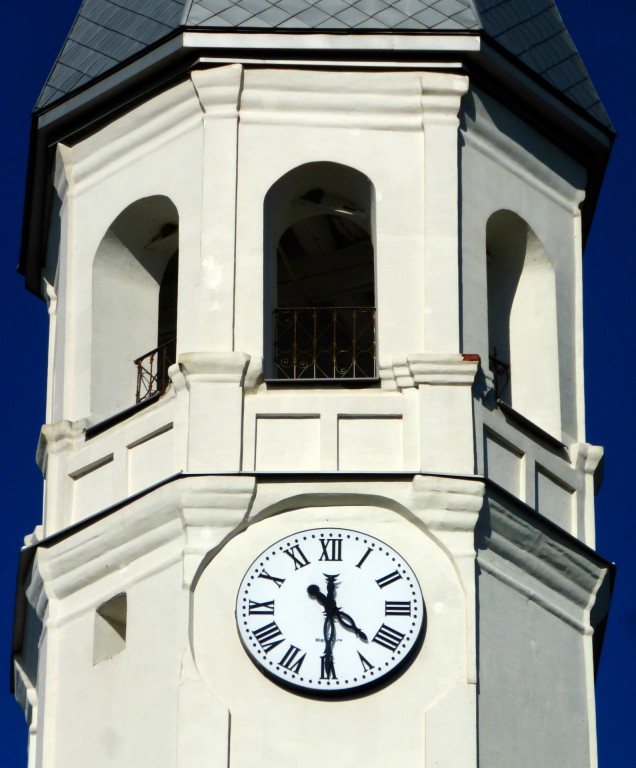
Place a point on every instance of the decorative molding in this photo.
(155, 123)
(431, 369)
(357, 100)
(35, 591)
(25, 692)
(190, 515)
(63, 166)
(545, 562)
(441, 97)
(219, 90)
(215, 367)
(484, 137)
(326, 41)
(447, 503)
(211, 514)
(57, 438)
(586, 458)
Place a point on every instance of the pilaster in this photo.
(214, 384)
(441, 97)
(219, 91)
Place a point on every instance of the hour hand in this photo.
(348, 623)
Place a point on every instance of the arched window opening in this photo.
(322, 292)
(522, 321)
(134, 311)
(152, 367)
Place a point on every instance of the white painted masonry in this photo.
(475, 226)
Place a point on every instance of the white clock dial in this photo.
(330, 610)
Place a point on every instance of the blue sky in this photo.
(31, 37)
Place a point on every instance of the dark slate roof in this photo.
(108, 32)
(533, 31)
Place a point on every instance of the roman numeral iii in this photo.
(397, 608)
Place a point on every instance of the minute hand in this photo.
(348, 623)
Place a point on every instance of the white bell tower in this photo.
(317, 485)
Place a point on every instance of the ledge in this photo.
(522, 421)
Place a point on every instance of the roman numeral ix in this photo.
(265, 609)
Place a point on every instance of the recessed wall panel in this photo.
(150, 460)
(287, 444)
(93, 488)
(370, 444)
(504, 464)
(554, 500)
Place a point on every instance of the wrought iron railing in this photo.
(501, 375)
(325, 343)
(152, 371)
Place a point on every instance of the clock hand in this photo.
(348, 623)
(328, 602)
(332, 611)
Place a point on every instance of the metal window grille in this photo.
(325, 343)
(152, 371)
(501, 375)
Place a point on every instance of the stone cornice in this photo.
(586, 457)
(447, 503)
(431, 369)
(157, 122)
(57, 438)
(364, 100)
(215, 367)
(524, 551)
(487, 139)
(219, 90)
(179, 516)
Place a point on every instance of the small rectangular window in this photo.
(110, 628)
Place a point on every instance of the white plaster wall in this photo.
(272, 726)
(536, 673)
(154, 149)
(534, 684)
(183, 691)
(122, 710)
(506, 165)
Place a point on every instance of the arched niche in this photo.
(522, 320)
(320, 274)
(135, 278)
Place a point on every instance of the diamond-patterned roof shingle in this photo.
(108, 32)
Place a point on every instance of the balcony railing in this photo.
(325, 343)
(152, 371)
(501, 376)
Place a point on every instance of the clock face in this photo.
(330, 610)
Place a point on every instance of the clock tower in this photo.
(317, 488)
